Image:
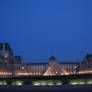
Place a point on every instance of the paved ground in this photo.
(63, 88)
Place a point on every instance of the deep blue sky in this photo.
(38, 29)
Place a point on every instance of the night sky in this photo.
(38, 29)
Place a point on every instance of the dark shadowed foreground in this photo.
(63, 88)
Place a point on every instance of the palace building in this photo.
(11, 65)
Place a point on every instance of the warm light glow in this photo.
(22, 73)
(30, 73)
(22, 68)
(84, 72)
(5, 73)
(55, 69)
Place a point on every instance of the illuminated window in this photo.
(77, 82)
(17, 83)
(3, 83)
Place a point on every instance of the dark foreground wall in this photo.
(63, 88)
(47, 80)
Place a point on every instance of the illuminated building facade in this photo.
(51, 68)
(11, 65)
(86, 65)
(8, 62)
